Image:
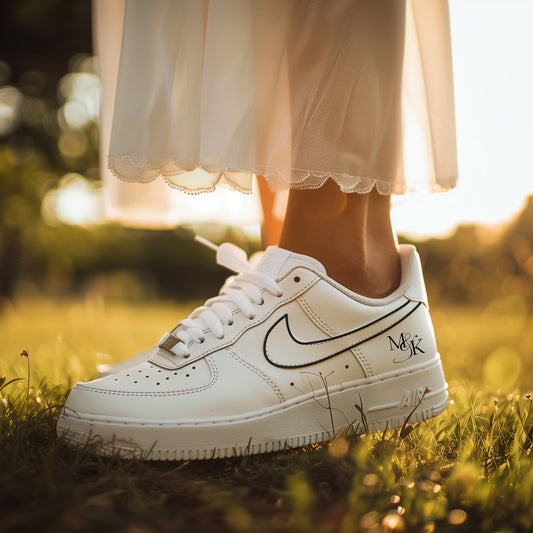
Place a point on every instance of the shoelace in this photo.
(239, 293)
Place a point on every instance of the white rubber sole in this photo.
(379, 403)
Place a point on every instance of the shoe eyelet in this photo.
(261, 302)
(251, 317)
(187, 355)
(229, 322)
(202, 340)
(296, 279)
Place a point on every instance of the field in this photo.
(468, 469)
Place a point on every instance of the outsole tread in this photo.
(92, 443)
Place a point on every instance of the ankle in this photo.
(375, 276)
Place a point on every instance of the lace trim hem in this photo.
(139, 170)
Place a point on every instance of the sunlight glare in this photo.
(82, 92)
(10, 99)
(494, 117)
(76, 201)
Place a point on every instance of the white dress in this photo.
(210, 92)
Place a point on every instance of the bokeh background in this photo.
(53, 235)
(476, 242)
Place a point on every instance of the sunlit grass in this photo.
(470, 467)
(68, 339)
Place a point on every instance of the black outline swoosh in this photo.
(285, 318)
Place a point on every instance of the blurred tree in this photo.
(42, 36)
(38, 39)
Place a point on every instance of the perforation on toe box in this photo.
(152, 379)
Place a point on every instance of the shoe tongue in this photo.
(275, 262)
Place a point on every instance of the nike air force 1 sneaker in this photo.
(284, 356)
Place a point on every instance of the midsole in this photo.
(428, 375)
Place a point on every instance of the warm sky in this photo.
(492, 44)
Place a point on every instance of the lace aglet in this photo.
(205, 242)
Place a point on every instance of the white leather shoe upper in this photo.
(278, 332)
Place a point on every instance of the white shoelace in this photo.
(239, 294)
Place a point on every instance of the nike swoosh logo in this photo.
(282, 349)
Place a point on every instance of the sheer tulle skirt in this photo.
(210, 93)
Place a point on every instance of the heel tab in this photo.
(412, 276)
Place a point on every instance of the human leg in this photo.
(351, 234)
(271, 222)
(355, 115)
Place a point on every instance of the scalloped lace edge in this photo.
(141, 171)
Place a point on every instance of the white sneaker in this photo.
(283, 357)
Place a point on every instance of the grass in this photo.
(468, 469)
